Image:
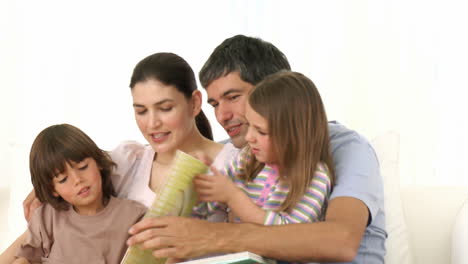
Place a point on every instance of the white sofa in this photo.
(425, 224)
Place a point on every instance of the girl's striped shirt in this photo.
(268, 193)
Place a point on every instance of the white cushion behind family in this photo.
(460, 236)
(387, 147)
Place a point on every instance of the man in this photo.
(353, 230)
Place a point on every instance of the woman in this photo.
(168, 112)
(167, 108)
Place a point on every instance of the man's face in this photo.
(228, 95)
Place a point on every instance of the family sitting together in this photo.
(289, 185)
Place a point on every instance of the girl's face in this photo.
(163, 114)
(81, 186)
(258, 136)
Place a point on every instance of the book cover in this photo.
(177, 197)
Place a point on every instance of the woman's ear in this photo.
(196, 102)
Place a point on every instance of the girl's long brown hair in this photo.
(298, 129)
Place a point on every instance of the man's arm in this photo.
(337, 239)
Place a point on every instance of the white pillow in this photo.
(460, 236)
(387, 148)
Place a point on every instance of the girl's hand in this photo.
(215, 188)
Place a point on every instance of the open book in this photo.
(177, 197)
(234, 258)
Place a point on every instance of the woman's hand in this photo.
(30, 204)
(215, 188)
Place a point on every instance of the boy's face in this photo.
(228, 95)
(81, 186)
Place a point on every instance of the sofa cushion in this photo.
(387, 148)
(460, 236)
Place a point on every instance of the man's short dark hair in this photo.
(253, 58)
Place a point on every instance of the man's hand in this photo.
(215, 188)
(30, 204)
(173, 236)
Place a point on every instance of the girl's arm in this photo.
(220, 188)
(310, 207)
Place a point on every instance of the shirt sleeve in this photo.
(204, 210)
(126, 156)
(38, 241)
(311, 207)
(236, 166)
(357, 173)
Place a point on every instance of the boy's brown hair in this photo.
(52, 149)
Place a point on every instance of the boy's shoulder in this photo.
(129, 206)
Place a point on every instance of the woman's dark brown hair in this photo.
(171, 69)
(52, 149)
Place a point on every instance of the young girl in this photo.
(285, 174)
(80, 220)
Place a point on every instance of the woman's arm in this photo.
(30, 204)
(21, 261)
(8, 256)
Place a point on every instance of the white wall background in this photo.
(380, 65)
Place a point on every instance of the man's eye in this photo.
(214, 105)
(234, 97)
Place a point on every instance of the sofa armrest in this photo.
(430, 213)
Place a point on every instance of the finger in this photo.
(203, 194)
(215, 171)
(150, 222)
(203, 184)
(204, 177)
(27, 205)
(208, 197)
(146, 238)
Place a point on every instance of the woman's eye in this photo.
(83, 167)
(166, 109)
(142, 112)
